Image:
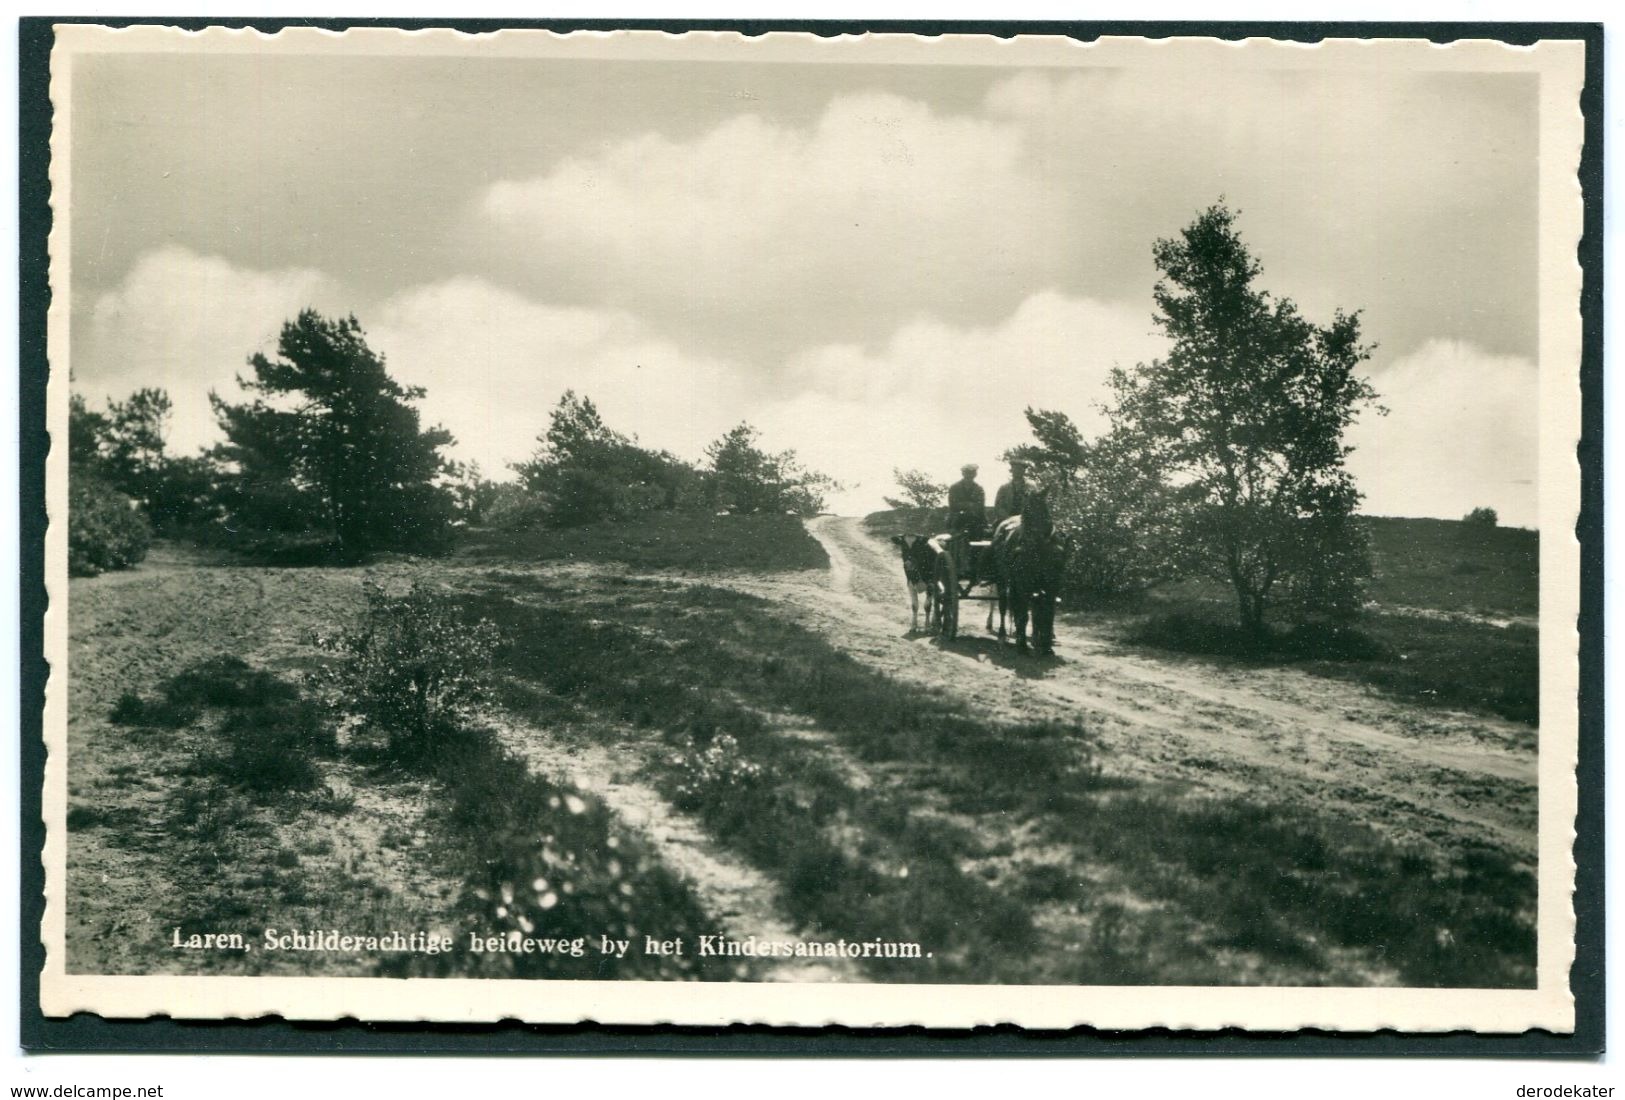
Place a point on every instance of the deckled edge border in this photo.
(62, 994)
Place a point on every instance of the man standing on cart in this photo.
(967, 516)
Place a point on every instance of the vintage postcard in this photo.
(874, 530)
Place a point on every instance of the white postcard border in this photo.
(1560, 65)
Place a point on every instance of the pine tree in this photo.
(327, 426)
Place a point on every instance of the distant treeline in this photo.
(583, 471)
(325, 458)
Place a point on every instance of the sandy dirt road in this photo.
(1431, 777)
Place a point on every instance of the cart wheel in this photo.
(948, 598)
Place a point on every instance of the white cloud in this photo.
(1462, 432)
(937, 395)
(1411, 198)
(933, 395)
(494, 364)
(187, 323)
(881, 207)
(764, 236)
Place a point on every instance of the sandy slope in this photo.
(132, 630)
(1428, 776)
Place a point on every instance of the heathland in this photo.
(726, 726)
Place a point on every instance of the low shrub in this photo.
(328, 801)
(413, 667)
(716, 771)
(105, 530)
(267, 546)
(514, 508)
(269, 759)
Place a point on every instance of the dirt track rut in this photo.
(1425, 776)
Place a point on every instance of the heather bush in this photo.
(271, 749)
(132, 710)
(515, 508)
(413, 666)
(555, 863)
(718, 770)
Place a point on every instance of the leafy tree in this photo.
(1482, 517)
(327, 426)
(576, 434)
(746, 478)
(1114, 501)
(1058, 451)
(919, 490)
(1245, 418)
(585, 471)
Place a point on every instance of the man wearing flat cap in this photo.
(967, 513)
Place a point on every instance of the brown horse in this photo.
(1030, 559)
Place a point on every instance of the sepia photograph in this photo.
(876, 530)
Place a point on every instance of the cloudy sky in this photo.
(876, 265)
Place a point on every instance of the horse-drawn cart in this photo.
(1019, 570)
